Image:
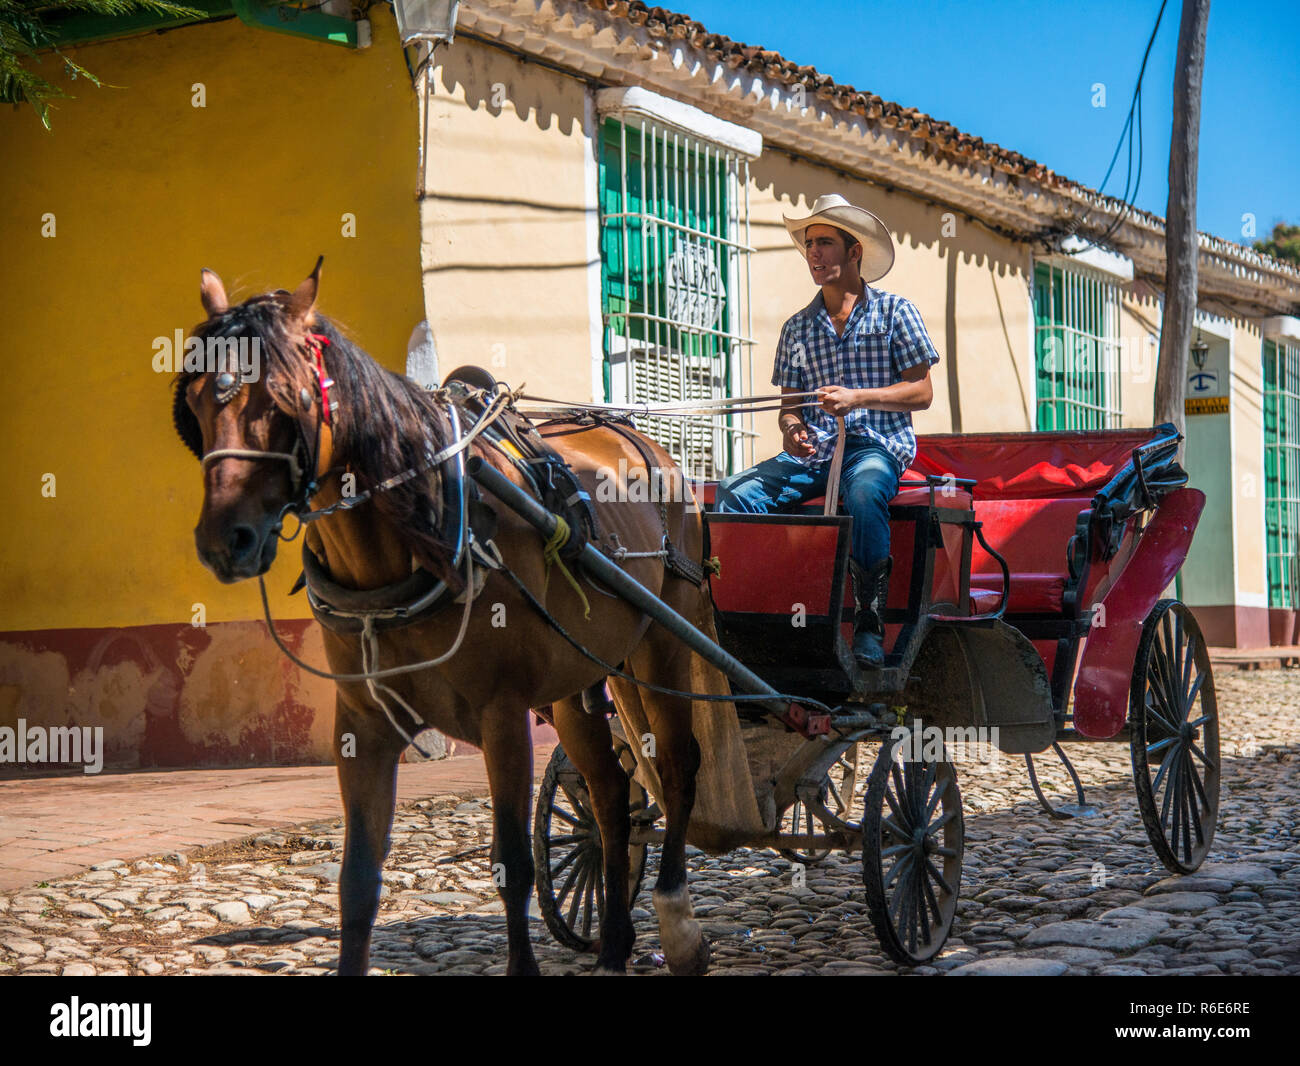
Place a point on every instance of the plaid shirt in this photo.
(883, 337)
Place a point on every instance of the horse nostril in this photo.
(242, 542)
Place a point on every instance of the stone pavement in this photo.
(57, 826)
(1038, 897)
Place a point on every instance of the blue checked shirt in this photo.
(883, 337)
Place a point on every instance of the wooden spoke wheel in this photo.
(569, 858)
(1174, 737)
(838, 794)
(912, 843)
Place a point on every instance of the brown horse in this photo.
(322, 409)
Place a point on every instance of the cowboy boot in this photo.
(870, 588)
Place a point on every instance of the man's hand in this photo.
(794, 439)
(839, 401)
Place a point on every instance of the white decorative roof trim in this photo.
(1214, 325)
(634, 100)
(603, 47)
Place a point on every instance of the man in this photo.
(867, 355)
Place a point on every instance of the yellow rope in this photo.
(551, 553)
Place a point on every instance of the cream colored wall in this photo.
(1139, 320)
(508, 279)
(1246, 406)
(503, 227)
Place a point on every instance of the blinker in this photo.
(228, 384)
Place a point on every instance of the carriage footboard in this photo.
(987, 677)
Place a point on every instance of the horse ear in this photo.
(303, 300)
(212, 292)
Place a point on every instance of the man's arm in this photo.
(794, 431)
(914, 393)
(912, 354)
(788, 373)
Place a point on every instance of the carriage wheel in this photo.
(911, 851)
(1174, 737)
(838, 794)
(569, 858)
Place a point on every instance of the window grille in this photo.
(1076, 347)
(674, 242)
(1282, 471)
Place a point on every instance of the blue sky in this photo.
(1020, 73)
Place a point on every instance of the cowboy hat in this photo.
(833, 210)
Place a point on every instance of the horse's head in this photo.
(249, 403)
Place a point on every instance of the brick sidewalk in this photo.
(55, 826)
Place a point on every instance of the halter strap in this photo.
(295, 467)
(315, 342)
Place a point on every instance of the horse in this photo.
(325, 426)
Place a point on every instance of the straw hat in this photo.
(833, 210)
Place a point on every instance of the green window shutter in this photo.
(672, 212)
(1076, 344)
(1282, 471)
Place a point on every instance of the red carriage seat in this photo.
(791, 557)
(1029, 492)
(1032, 536)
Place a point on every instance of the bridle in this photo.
(303, 488)
(306, 457)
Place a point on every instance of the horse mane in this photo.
(384, 424)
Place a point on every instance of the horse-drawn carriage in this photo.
(1024, 606)
(1023, 610)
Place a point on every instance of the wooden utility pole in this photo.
(1180, 216)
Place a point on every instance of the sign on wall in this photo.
(1207, 391)
(694, 284)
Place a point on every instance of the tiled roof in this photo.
(945, 139)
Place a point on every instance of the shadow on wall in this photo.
(510, 90)
(491, 79)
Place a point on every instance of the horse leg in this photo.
(589, 745)
(665, 661)
(508, 753)
(366, 756)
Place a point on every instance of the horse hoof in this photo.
(609, 971)
(696, 964)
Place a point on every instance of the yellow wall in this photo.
(145, 190)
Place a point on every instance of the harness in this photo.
(488, 407)
(368, 613)
(675, 560)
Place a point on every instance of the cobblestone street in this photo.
(1034, 899)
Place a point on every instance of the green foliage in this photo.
(1284, 244)
(25, 31)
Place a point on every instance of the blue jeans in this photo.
(868, 481)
